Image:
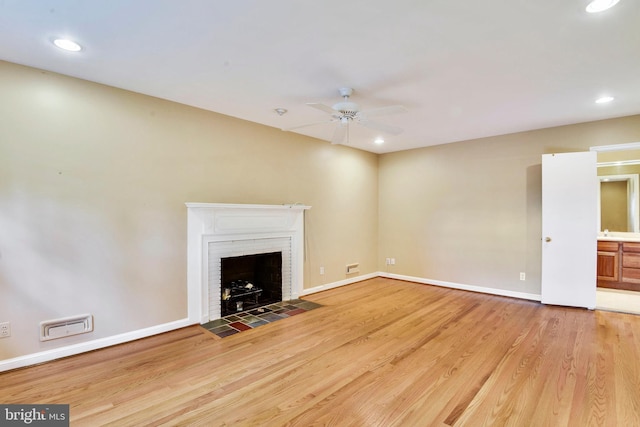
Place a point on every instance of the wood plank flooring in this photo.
(379, 353)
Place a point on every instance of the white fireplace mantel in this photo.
(218, 222)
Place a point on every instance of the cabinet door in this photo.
(608, 266)
(630, 267)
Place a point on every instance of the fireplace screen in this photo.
(250, 281)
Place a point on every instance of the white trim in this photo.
(463, 287)
(71, 350)
(459, 286)
(618, 163)
(616, 147)
(332, 285)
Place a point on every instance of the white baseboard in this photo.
(57, 353)
(70, 350)
(473, 288)
(452, 285)
(332, 285)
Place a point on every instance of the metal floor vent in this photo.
(65, 327)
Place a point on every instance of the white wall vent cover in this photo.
(65, 327)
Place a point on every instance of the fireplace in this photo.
(219, 251)
(250, 281)
(218, 232)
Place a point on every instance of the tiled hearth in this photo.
(246, 320)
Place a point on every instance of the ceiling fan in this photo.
(346, 112)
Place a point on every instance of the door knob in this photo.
(547, 239)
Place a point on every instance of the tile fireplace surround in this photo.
(217, 231)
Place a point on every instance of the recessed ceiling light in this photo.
(604, 99)
(66, 44)
(379, 140)
(600, 5)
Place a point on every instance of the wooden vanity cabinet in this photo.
(608, 261)
(631, 262)
(619, 265)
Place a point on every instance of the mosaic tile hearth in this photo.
(250, 319)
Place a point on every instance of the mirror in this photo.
(619, 203)
(618, 173)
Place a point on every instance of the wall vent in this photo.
(353, 268)
(65, 327)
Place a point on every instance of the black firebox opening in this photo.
(250, 281)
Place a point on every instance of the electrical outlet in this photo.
(5, 329)
(321, 270)
(388, 261)
(523, 276)
(393, 261)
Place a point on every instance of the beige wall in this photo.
(93, 182)
(470, 212)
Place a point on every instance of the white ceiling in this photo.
(464, 69)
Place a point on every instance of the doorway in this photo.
(615, 161)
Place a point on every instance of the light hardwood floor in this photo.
(379, 353)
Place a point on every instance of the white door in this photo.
(569, 229)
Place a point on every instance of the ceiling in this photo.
(463, 69)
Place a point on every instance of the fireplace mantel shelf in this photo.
(294, 206)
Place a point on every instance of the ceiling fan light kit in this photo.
(345, 112)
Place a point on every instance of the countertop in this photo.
(619, 238)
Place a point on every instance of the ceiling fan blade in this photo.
(393, 130)
(340, 133)
(308, 124)
(323, 107)
(384, 111)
